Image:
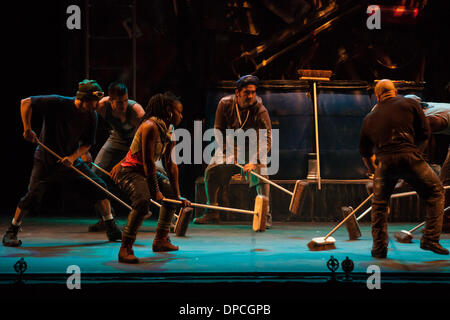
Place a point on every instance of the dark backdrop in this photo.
(187, 49)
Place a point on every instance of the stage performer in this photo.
(242, 110)
(394, 131)
(437, 152)
(69, 127)
(138, 176)
(123, 116)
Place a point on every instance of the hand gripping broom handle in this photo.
(348, 216)
(109, 174)
(207, 206)
(84, 175)
(267, 180)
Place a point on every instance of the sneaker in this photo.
(433, 246)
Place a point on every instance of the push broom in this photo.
(296, 196)
(404, 236)
(352, 224)
(84, 175)
(327, 242)
(182, 218)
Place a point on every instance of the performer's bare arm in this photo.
(102, 106)
(369, 162)
(149, 137)
(26, 113)
(137, 114)
(172, 172)
(69, 160)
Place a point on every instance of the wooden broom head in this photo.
(261, 210)
(306, 74)
(182, 223)
(351, 224)
(298, 197)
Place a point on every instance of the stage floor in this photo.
(50, 245)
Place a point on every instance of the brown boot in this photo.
(162, 243)
(208, 218)
(126, 254)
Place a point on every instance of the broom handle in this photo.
(348, 217)
(109, 174)
(364, 213)
(420, 225)
(399, 195)
(86, 176)
(316, 125)
(267, 180)
(207, 206)
(416, 227)
(410, 193)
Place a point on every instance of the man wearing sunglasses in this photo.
(68, 128)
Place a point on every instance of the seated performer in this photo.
(138, 177)
(68, 129)
(123, 116)
(243, 110)
(394, 130)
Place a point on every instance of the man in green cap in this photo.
(69, 127)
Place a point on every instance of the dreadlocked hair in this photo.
(157, 106)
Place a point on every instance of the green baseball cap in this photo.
(89, 89)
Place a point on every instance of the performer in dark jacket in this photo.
(394, 130)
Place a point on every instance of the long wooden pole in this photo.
(267, 180)
(86, 176)
(316, 126)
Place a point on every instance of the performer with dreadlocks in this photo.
(138, 177)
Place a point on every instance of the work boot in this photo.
(126, 254)
(112, 231)
(10, 237)
(162, 243)
(433, 246)
(208, 218)
(98, 226)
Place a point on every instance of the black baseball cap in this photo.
(246, 80)
(89, 89)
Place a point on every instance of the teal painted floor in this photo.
(51, 245)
